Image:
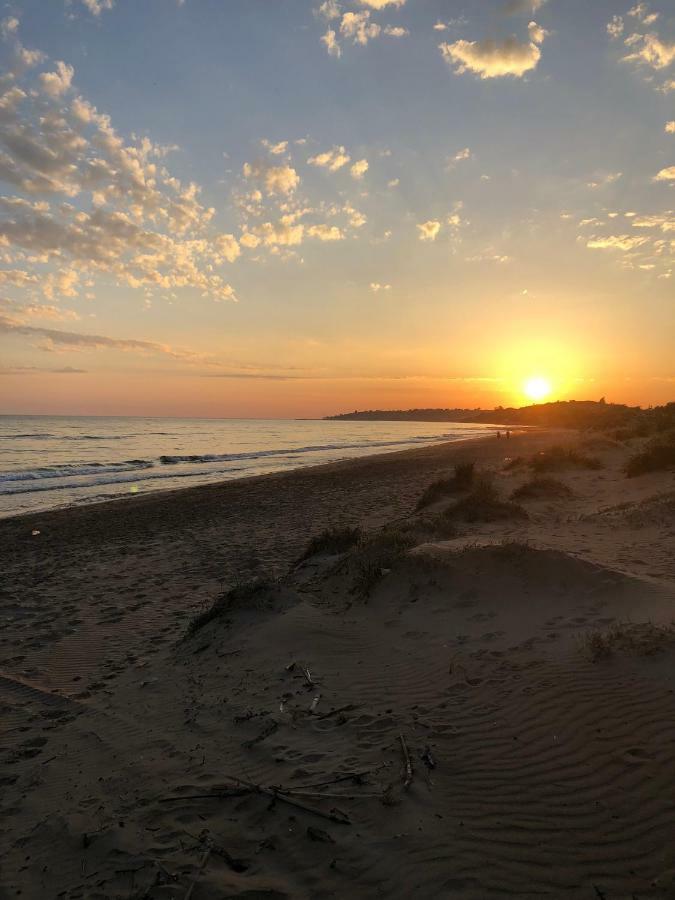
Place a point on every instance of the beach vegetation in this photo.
(542, 489)
(557, 458)
(461, 480)
(259, 593)
(484, 504)
(659, 454)
(334, 540)
(642, 639)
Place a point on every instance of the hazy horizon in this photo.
(255, 210)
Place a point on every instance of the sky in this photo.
(290, 208)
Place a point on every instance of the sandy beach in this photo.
(472, 698)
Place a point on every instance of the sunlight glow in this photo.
(537, 388)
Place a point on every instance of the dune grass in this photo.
(557, 458)
(642, 639)
(334, 540)
(461, 480)
(259, 593)
(375, 554)
(483, 504)
(658, 455)
(542, 489)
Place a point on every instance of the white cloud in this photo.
(275, 149)
(641, 12)
(376, 287)
(331, 159)
(604, 180)
(331, 43)
(621, 242)
(615, 27)
(460, 156)
(396, 31)
(9, 26)
(429, 230)
(537, 34)
(381, 4)
(325, 232)
(666, 174)
(358, 27)
(359, 169)
(55, 83)
(523, 6)
(393, 183)
(652, 51)
(96, 7)
(227, 246)
(329, 9)
(276, 179)
(493, 59)
(670, 127)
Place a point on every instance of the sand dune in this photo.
(537, 765)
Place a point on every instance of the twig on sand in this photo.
(335, 815)
(243, 787)
(308, 676)
(348, 707)
(202, 863)
(347, 776)
(409, 774)
(269, 729)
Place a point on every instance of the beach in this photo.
(474, 698)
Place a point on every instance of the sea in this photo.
(56, 461)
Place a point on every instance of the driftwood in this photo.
(315, 703)
(308, 676)
(409, 774)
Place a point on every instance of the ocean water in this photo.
(55, 461)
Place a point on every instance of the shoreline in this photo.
(152, 495)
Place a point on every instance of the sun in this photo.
(537, 388)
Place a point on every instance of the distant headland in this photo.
(561, 414)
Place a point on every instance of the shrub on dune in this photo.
(375, 554)
(332, 541)
(658, 455)
(542, 489)
(260, 593)
(460, 480)
(556, 458)
(484, 504)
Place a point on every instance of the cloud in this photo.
(331, 159)
(331, 43)
(276, 179)
(641, 12)
(56, 83)
(36, 370)
(275, 149)
(228, 246)
(286, 232)
(359, 169)
(460, 156)
(670, 127)
(604, 180)
(393, 183)
(96, 7)
(536, 33)
(325, 232)
(396, 31)
(652, 51)
(71, 340)
(523, 6)
(665, 222)
(665, 174)
(494, 59)
(358, 27)
(376, 287)
(615, 27)
(429, 230)
(9, 26)
(329, 9)
(621, 242)
(381, 4)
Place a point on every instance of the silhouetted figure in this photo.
(508, 435)
(499, 434)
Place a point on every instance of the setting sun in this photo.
(537, 388)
